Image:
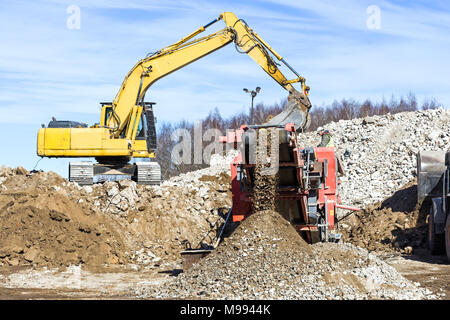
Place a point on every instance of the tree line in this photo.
(346, 109)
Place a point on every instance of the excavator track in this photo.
(148, 173)
(81, 172)
(87, 173)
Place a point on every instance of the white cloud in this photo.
(66, 71)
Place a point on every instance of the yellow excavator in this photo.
(127, 126)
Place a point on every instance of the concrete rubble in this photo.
(382, 150)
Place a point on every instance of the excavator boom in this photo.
(171, 58)
(297, 109)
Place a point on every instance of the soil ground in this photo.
(18, 283)
(432, 272)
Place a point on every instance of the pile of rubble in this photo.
(396, 225)
(265, 258)
(379, 152)
(41, 226)
(148, 225)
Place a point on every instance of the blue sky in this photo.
(47, 69)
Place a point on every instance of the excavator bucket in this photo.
(296, 112)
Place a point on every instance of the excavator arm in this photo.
(126, 129)
(249, 42)
(186, 51)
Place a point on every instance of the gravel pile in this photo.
(266, 259)
(383, 150)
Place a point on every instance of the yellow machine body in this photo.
(96, 141)
(87, 142)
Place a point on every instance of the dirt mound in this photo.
(265, 258)
(267, 227)
(222, 179)
(146, 225)
(397, 224)
(262, 243)
(49, 229)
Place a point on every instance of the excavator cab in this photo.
(146, 130)
(107, 110)
(147, 127)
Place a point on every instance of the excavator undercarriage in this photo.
(87, 172)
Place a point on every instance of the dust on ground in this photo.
(432, 272)
(75, 282)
